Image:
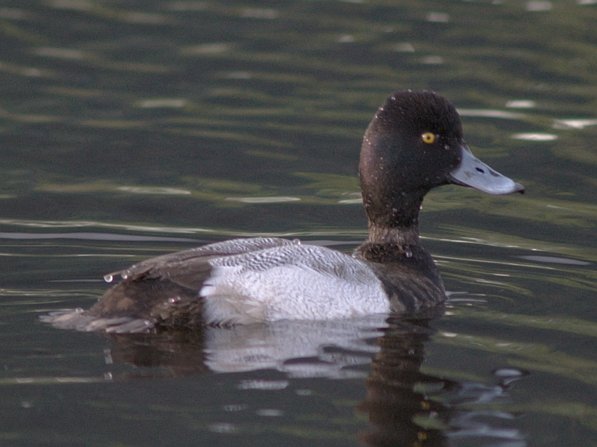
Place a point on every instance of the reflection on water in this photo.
(404, 404)
(409, 407)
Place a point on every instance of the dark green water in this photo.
(134, 128)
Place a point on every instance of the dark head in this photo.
(413, 144)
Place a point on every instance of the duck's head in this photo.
(413, 144)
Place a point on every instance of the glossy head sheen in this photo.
(411, 145)
(394, 144)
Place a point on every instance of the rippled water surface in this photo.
(134, 128)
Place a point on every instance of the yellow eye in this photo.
(428, 138)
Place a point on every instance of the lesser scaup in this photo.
(413, 144)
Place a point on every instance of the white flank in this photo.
(291, 282)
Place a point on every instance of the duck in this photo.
(413, 144)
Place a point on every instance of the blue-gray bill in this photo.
(474, 173)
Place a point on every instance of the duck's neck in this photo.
(401, 237)
(393, 219)
(387, 244)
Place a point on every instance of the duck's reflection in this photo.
(405, 406)
(400, 411)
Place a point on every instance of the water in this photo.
(131, 129)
